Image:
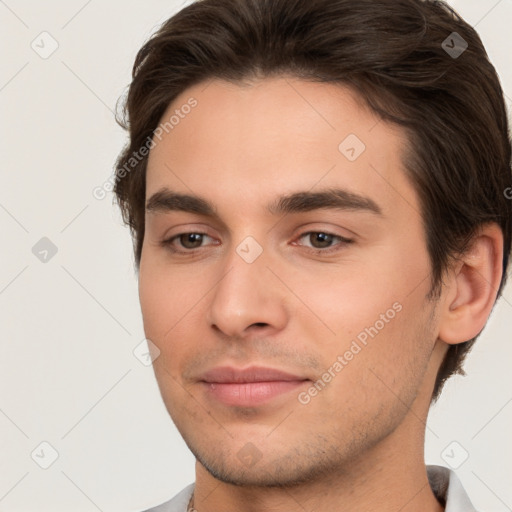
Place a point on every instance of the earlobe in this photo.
(472, 285)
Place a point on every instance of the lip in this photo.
(228, 374)
(248, 386)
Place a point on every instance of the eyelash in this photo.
(342, 241)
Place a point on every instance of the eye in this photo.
(187, 241)
(322, 242)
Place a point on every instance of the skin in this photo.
(295, 309)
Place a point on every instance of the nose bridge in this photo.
(246, 295)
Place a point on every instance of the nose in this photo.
(248, 298)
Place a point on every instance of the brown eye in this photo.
(320, 240)
(184, 243)
(191, 240)
(323, 242)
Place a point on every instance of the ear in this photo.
(472, 286)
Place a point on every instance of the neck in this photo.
(388, 479)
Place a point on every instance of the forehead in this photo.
(243, 142)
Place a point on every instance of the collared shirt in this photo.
(444, 483)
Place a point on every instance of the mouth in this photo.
(250, 386)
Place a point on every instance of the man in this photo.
(317, 195)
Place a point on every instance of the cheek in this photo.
(172, 306)
(163, 297)
(375, 308)
(343, 300)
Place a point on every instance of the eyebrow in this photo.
(165, 200)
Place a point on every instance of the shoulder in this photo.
(177, 504)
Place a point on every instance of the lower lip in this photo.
(247, 394)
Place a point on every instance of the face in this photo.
(294, 334)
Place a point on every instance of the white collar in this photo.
(448, 490)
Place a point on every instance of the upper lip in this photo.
(226, 374)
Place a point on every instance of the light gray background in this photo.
(68, 374)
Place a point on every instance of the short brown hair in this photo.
(396, 55)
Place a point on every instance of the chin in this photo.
(275, 465)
